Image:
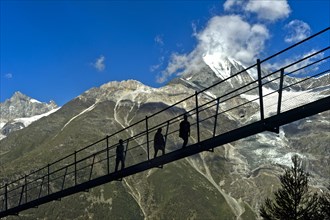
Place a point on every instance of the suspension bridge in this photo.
(76, 172)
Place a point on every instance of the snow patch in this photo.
(207, 93)
(274, 156)
(270, 139)
(290, 99)
(190, 83)
(221, 67)
(236, 63)
(286, 159)
(84, 111)
(2, 124)
(34, 101)
(29, 120)
(210, 94)
(253, 72)
(324, 75)
(324, 121)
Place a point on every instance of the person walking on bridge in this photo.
(184, 131)
(120, 156)
(159, 142)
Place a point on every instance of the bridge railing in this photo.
(267, 94)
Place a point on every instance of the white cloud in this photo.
(8, 75)
(229, 4)
(99, 63)
(224, 36)
(181, 63)
(297, 31)
(159, 40)
(153, 68)
(269, 10)
(233, 37)
(194, 28)
(302, 64)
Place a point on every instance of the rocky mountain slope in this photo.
(20, 111)
(229, 183)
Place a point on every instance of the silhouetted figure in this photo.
(184, 132)
(159, 142)
(120, 156)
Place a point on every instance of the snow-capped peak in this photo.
(34, 101)
(220, 65)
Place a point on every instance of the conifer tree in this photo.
(324, 205)
(293, 200)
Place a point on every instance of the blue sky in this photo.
(56, 50)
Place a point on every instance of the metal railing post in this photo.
(260, 90)
(279, 102)
(42, 183)
(147, 129)
(197, 116)
(65, 172)
(92, 166)
(26, 185)
(108, 159)
(6, 196)
(280, 92)
(48, 177)
(216, 117)
(75, 168)
(21, 196)
(166, 133)
(126, 148)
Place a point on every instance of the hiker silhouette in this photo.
(159, 142)
(120, 157)
(184, 132)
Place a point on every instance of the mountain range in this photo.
(229, 183)
(20, 111)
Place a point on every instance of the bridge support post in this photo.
(260, 90)
(197, 116)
